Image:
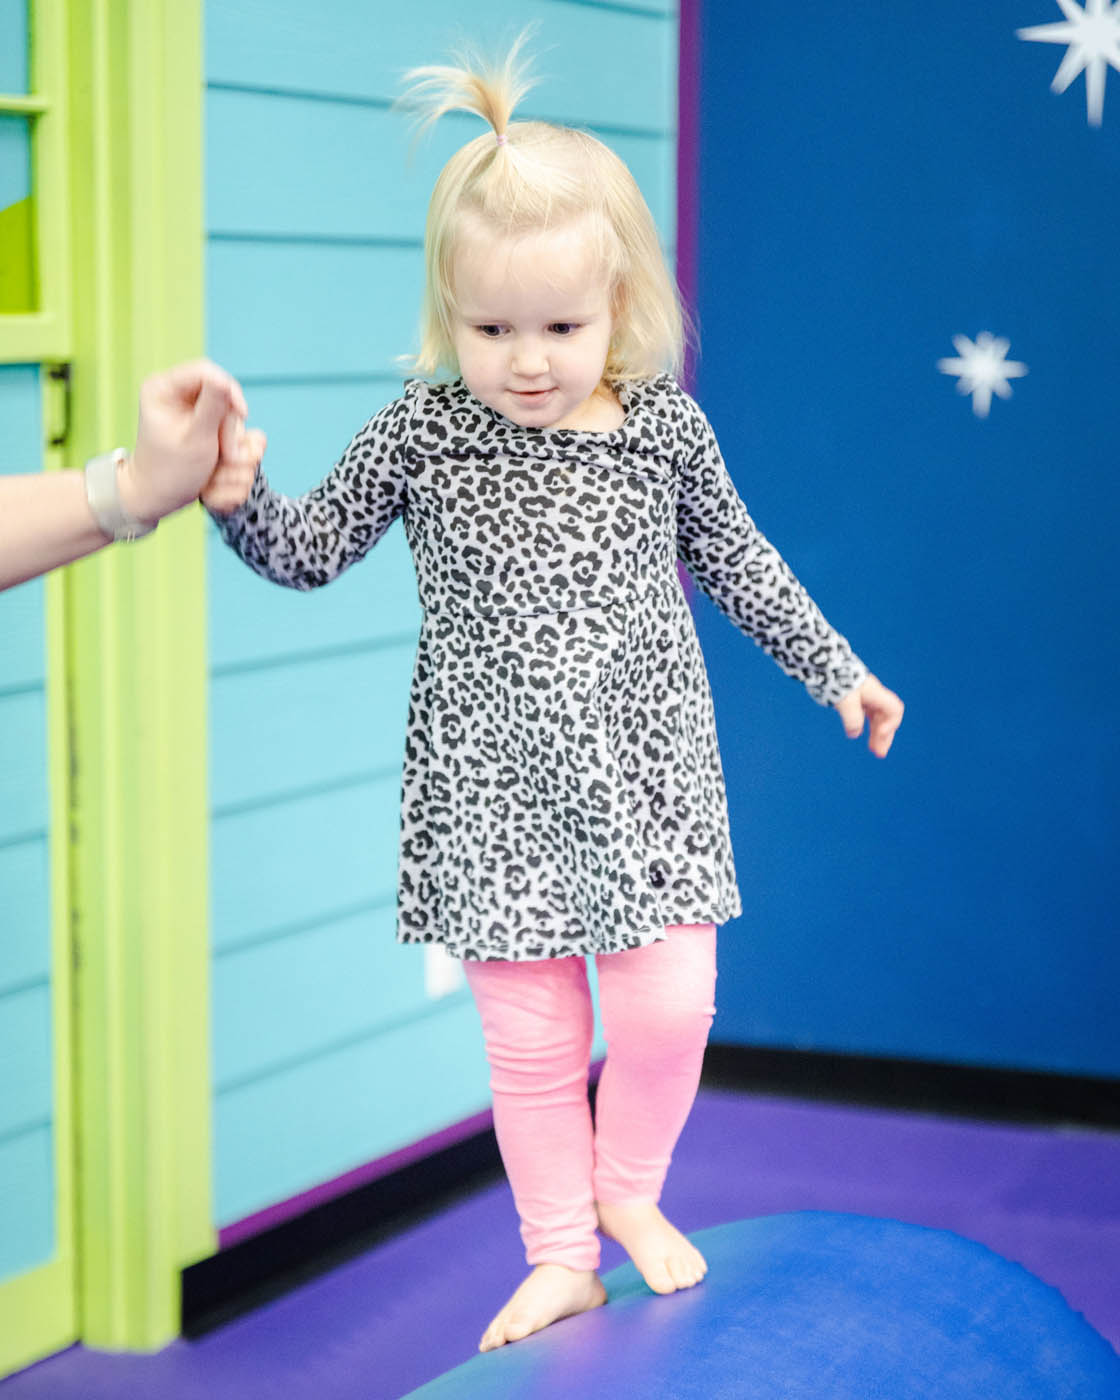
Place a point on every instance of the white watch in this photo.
(104, 497)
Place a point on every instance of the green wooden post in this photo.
(135, 628)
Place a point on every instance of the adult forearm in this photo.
(45, 521)
(190, 431)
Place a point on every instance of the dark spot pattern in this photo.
(562, 791)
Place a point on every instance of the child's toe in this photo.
(659, 1277)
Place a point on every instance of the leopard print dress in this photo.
(562, 791)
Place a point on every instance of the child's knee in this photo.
(528, 1064)
(665, 1032)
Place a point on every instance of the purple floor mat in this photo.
(385, 1323)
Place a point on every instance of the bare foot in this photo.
(664, 1258)
(551, 1292)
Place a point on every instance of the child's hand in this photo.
(881, 706)
(182, 412)
(240, 453)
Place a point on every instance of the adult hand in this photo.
(881, 706)
(190, 420)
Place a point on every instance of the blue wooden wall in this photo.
(26, 1091)
(330, 1046)
(876, 181)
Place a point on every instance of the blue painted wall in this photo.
(875, 182)
(328, 1048)
(27, 1198)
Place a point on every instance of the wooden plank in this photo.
(342, 310)
(310, 424)
(301, 861)
(22, 647)
(290, 166)
(253, 620)
(280, 729)
(27, 1235)
(607, 67)
(25, 1059)
(296, 997)
(21, 443)
(283, 165)
(284, 1134)
(25, 899)
(23, 737)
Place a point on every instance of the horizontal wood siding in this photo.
(26, 1088)
(328, 1049)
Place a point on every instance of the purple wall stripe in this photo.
(688, 186)
(688, 163)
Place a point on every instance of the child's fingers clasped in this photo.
(232, 479)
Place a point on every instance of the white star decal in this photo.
(1093, 36)
(982, 369)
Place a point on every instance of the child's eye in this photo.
(563, 327)
(491, 332)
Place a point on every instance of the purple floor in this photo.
(384, 1323)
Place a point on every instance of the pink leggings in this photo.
(657, 1007)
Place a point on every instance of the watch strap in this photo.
(103, 495)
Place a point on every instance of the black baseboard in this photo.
(265, 1266)
(963, 1091)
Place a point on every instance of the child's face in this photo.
(532, 323)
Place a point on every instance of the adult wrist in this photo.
(114, 511)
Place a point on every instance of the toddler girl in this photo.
(562, 788)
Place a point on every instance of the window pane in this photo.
(13, 46)
(19, 279)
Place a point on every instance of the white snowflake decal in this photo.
(983, 370)
(1093, 37)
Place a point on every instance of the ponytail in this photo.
(490, 90)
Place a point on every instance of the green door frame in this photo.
(136, 651)
(116, 104)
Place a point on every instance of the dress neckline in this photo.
(633, 395)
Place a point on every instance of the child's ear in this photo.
(620, 316)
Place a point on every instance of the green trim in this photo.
(25, 340)
(50, 156)
(27, 1302)
(22, 106)
(137, 675)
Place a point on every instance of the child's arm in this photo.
(749, 581)
(303, 542)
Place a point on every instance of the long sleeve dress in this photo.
(562, 791)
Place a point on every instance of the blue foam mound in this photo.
(813, 1306)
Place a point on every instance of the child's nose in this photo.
(529, 358)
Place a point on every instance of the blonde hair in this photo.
(531, 176)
